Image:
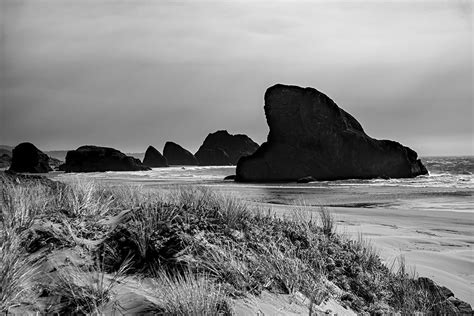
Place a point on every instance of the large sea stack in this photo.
(178, 156)
(153, 158)
(222, 148)
(98, 159)
(310, 136)
(27, 158)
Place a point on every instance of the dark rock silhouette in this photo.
(234, 146)
(177, 155)
(153, 158)
(212, 157)
(27, 158)
(311, 136)
(97, 159)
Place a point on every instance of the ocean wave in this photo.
(445, 177)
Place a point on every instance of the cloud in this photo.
(132, 73)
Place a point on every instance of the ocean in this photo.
(449, 186)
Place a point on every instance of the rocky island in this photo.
(178, 156)
(154, 159)
(27, 158)
(310, 136)
(97, 159)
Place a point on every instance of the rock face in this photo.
(153, 158)
(177, 155)
(222, 148)
(27, 158)
(212, 157)
(311, 136)
(97, 159)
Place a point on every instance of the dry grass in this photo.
(368, 254)
(86, 289)
(19, 208)
(327, 221)
(20, 205)
(187, 294)
(18, 274)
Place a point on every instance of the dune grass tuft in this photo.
(327, 221)
(86, 289)
(18, 273)
(187, 294)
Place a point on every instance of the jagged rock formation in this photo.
(153, 158)
(27, 158)
(177, 155)
(311, 136)
(98, 159)
(222, 148)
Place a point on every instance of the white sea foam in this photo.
(448, 187)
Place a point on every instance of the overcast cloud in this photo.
(127, 74)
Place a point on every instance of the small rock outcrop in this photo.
(154, 159)
(99, 159)
(311, 136)
(178, 156)
(27, 158)
(222, 148)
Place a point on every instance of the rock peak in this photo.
(221, 148)
(27, 158)
(153, 158)
(177, 155)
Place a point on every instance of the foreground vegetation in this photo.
(83, 247)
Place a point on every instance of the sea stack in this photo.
(27, 158)
(310, 136)
(154, 159)
(178, 156)
(221, 148)
(98, 159)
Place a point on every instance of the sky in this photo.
(132, 73)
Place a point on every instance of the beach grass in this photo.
(194, 249)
